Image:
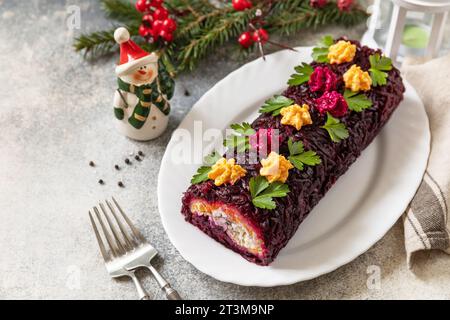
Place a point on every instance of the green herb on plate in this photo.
(378, 67)
(299, 157)
(263, 192)
(302, 75)
(320, 52)
(337, 130)
(357, 101)
(275, 104)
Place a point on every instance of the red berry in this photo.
(144, 31)
(154, 34)
(240, 5)
(318, 3)
(160, 14)
(141, 5)
(344, 5)
(245, 39)
(169, 25)
(168, 36)
(157, 26)
(147, 20)
(156, 3)
(260, 35)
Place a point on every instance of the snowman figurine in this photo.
(141, 104)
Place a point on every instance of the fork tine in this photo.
(105, 254)
(119, 243)
(135, 231)
(128, 239)
(112, 247)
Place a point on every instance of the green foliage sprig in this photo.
(379, 65)
(204, 26)
(299, 157)
(263, 192)
(275, 104)
(202, 172)
(357, 101)
(239, 140)
(302, 75)
(320, 52)
(336, 129)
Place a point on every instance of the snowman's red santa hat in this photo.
(131, 55)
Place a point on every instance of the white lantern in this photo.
(408, 27)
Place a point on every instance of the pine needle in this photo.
(204, 26)
(123, 11)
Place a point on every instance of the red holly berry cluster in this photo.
(156, 23)
(247, 38)
(240, 5)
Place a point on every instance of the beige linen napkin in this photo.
(426, 221)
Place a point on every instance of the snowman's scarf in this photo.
(149, 95)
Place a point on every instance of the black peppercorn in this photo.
(91, 163)
(137, 158)
(141, 153)
(187, 93)
(101, 181)
(127, 161)
(117, 167)
(120, 184)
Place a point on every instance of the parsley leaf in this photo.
(275, 104)
(299, 157)
(257, 185)
(263, 192)
(309, 158)
(304, 71)
(357, 101)
(239, 139)
(295, 147)
(335, 128)
(264, 202)
(201, 175)
(381, 63)
(276, 190)
(320, 55)
(378, 67)
(244, 128)
(379, 78)
(241, 143)
(212, 158)
(202, 172)
(326, 41)
(320, 52)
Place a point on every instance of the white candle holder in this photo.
(426, 19)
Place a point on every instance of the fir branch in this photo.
(123, 11)
(192, 27)
(227, 27)
(292, 19)
(100, 43)
(204, 26)
(96, 44)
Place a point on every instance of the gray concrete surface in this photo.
(55, 116)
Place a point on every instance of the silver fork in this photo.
(132, 250)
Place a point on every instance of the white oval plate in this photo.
(359, 209)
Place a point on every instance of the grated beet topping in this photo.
(307, 187)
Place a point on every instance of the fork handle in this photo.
(143, 295)
(171, 294)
